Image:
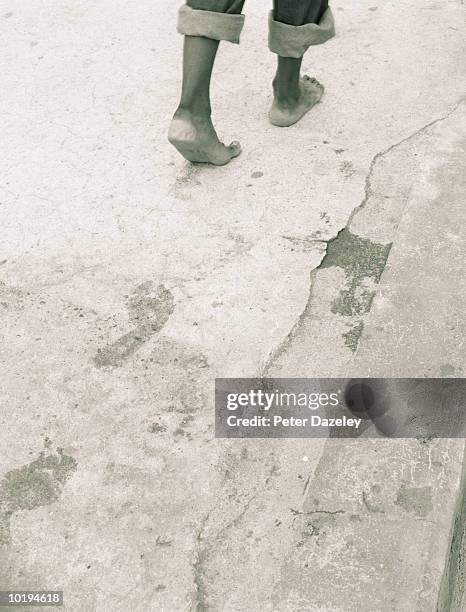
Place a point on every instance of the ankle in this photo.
(286, 94)
(199, 109)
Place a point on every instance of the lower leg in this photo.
(191, 130)
(198, 61)
(293, 95)
(286, 81)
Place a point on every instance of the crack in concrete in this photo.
(368, 193)
(452, 596)
(295, 512)
(200, 602)
(283, 346)
(203, 553)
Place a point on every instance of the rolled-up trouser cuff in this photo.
(293, 41)
(218, 26)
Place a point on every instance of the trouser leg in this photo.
(295, 25)
(215, 19)
(231, 7)
(299, 12)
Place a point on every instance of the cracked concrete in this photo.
(453, 587)
(363, 261)
(364, 244)
(179, 274)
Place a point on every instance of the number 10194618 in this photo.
(31, 598)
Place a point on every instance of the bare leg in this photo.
(191, 130)
(286, 81)
(295, 96)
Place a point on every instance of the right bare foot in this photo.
(287, 112)
(195, 138)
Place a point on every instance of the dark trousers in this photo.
(291, 12)
(294, 25)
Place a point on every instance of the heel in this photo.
(182, 135)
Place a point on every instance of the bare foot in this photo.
(287, 112)
(195, 138)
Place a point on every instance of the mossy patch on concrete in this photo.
(363, 262)
(352, 336)
(36, 484)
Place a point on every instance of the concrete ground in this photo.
(130, 279)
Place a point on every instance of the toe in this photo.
(226, 154)
(316, 84)
(235, 148)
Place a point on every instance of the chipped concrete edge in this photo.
(452, 591)
(353, 339)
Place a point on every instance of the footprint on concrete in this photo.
(149, 309)
(36, 484)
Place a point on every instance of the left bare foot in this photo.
(196, 139)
